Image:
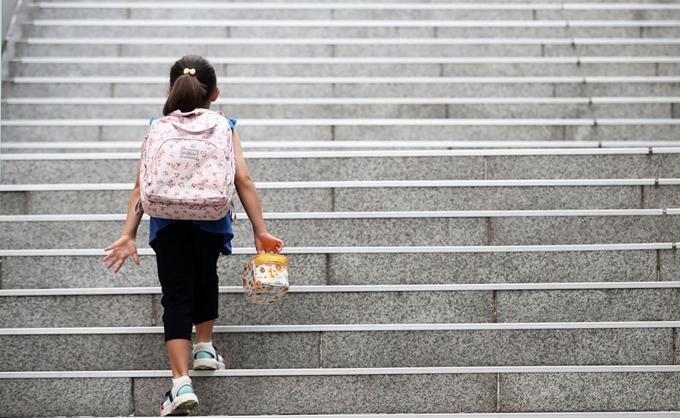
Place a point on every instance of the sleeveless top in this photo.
(222, 226)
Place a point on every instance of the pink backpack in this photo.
(188, 166)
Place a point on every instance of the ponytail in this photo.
(192, 82)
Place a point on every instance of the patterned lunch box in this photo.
(265, 278)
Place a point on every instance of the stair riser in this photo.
(379, 232)
(354, 269)
(373, 133)
(373, 199)
(345, 14)
(510, 50)
(381, 111)
(357, 308)
(352, 349)
(350, 32)
(355, 394)
(371, 168)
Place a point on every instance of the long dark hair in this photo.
(190, 91)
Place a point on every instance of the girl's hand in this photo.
(265, 243)
(120, 250)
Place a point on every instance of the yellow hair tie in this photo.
(189, 71)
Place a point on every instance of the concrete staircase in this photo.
(480, 202)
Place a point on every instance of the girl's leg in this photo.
(206, 292)
(178, 352)
(204, 331)
(174, 255)
(206, 286)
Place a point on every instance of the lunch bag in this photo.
(265, 278)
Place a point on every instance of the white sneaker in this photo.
(208, 359)
(179, 400)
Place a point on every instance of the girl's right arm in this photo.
(125, 246)
(247, 193)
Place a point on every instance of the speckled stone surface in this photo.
(669, 263)
(13, 203)
(511, 70)
(588, 305)
(332, 32)
(589, 392)
(572, 167)
(446, 90)
(322, 169)
(349, 111)
(616, 89)
(530, 267)
(76, 311)
(498, 348)
(295, 233)
(621, 14)
(67, 272)
(375, 232)
(356, 308)
(668, 69)
(329, 394)
(95, 397)
(432, 111)
(120, 32)
(379, 168)
(83, 352)
(662, 197)
(247, 133)
(148, 351)
(615, 69)
(268, 90)
(48, 235)
(499, 32)
(624, 133)
(29, 50)
(56, 90)
(269, 350)
(487, 198)
(604, 32)
(584, 230)
(518, 111)
(116, 201)
(650, 32)
(441, 50)
(199, 13)
(333, 70)
(21, 69)
(76, 133)
(451, 133)
(69, 171)
(81, 202)
(433, 14)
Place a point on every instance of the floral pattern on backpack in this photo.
(188, 166)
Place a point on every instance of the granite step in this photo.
(432, 66)
(41, 269)
(303, 166)
(484, 392)
(131, 108)
(325, 199)
(365, 129)
(345, 11)
(365, 347)
(111, 308)
(331, 28)
(380, 229)
(370, 47)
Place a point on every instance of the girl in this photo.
(187, 251)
